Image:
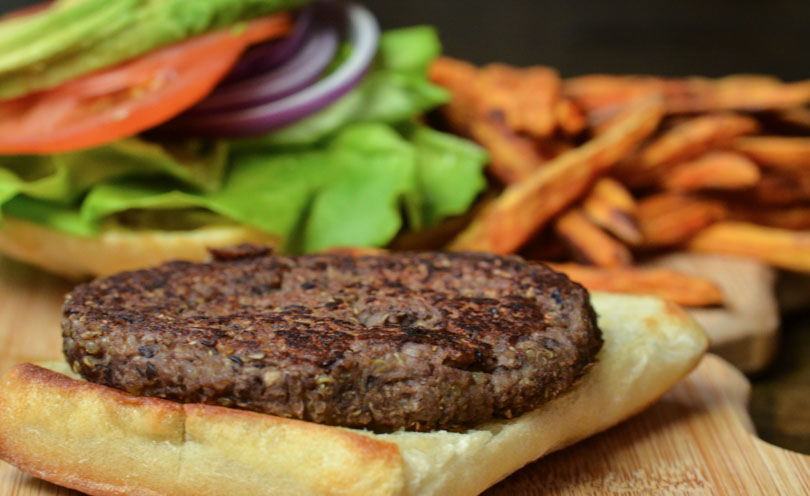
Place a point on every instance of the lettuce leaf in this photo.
(409, 49)
(352, 174)
(52, 215)
(349, 192)
(446, 174)
(63, 178)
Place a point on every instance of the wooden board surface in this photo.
(745, 330)
(698, 439)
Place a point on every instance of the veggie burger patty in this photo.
(393, 341)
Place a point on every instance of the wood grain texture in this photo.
(745, 330)
(698, 439)
(30, 305)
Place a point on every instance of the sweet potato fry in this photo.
(795, 218)
(780, 188)
(713, 170)
(602, 91)
(792, 121)
(601, 120)
(694, 137)
(665, 283)
(539, 98)
(776, 152)
(552, 148)
(525, 207)
(779, 247)
(453, 74)
(545, 245)
(683, 141)
(612, 207)
(797, 119)
(496, 89)
(527, 98)
(499, 106)
(669, 219)
(457, 76)
(599, 92)
(513, 157)
(736, 92)
(589, 243)
(570, 118)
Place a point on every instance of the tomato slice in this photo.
(124, 100)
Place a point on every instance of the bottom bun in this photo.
(104, 442)
(116, 250)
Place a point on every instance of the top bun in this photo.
(116, 250)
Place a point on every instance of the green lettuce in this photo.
(50, 214)
(65, 177)
(446, 174)
(355, 173)
(349, 192)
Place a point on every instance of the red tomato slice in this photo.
(124, 100)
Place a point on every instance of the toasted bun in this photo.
(115, 250)
(103, 442)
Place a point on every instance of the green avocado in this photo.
(75, 37)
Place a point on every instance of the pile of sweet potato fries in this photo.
(595, 174)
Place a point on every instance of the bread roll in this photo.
(104, 442)
(116, 250)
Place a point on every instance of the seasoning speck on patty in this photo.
(393, 341)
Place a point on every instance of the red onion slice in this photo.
(297, 73)
(268, 56)
(363, 33)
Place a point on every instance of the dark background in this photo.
(668, 37)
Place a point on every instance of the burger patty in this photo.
(395, 341)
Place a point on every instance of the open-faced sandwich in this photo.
(391, 374)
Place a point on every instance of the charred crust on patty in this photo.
(396, 341)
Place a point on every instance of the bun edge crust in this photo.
(103, 442)
(116, 250)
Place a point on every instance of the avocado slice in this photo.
(76, 37)
(42, 37)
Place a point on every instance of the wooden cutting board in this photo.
(745, 329)
(698, 439)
